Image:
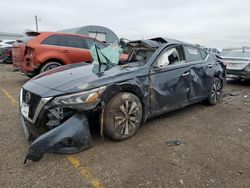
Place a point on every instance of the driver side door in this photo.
(170, 83)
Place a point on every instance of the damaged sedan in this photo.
(238, 63)
(159, 75)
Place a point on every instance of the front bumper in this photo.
(239, 73)
(72, 136)
(50, 128)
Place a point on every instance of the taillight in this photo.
(30, 51)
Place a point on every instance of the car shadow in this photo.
(238, 81)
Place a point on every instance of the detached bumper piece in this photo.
(72, 136)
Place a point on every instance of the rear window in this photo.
(29, 36)
(192, 54)
(25, 39)
(73, 41)
(51, 40)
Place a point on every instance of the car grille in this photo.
(32, 102)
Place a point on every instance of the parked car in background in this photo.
(47, 50)
(160, 75)
(5, 50)
(6, 54)
(237, 63)
(7, 43)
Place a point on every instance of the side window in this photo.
(203, 54)
(51, 40)
(84, 43)
(192, 54)
(91, 41)
(73, 41)
(171, 56)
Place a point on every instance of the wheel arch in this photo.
(113, 90)
(50, 60)
(53, 59)
(222, 79)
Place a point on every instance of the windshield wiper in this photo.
(98, 57)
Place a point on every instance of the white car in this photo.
(238, 63)
(7, 43)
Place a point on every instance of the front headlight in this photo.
(86, 99)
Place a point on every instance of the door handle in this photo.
(64, 51)
(185, 73)
(210, 65)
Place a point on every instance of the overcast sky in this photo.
(221, 23)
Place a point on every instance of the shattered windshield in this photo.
(135, 51)
(109, 55)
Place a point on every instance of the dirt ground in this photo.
(215, 153)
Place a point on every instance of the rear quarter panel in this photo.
(46, 52)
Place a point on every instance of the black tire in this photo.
(49, 65)
(122, 116)
(215, 92)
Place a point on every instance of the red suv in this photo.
(43, 51)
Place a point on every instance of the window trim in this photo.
(181, 53)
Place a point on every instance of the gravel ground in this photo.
(215, 152)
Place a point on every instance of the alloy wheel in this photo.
(128, 118)
(216, 91)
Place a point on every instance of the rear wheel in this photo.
(122, 116)
(50, 65)
(215, 92)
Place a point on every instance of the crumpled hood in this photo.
(77, 77)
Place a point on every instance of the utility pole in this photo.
(36, 22)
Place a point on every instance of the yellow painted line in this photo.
(84, 171)
(10, 97)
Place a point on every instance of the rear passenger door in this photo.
(48, 48)
(201, 72)
(74, 49)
